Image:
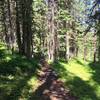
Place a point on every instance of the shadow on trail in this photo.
(52, 88)
(96, 71)
(78, 87)
(82, 89)
(59, 68)
(38, 94)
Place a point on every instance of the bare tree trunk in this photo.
(10, 26)
(67, 46)
(99, 47)
(51, 9)
(85, 48)
(95, 49)
(18, 30)
(27, 31)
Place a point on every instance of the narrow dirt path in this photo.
(52, 88)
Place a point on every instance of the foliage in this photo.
(17, 76)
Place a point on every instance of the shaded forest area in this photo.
(50, 50)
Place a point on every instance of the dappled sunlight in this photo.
(34, 83)
(17, 76)
(78, 70)
(49, 49)
(80, 78)
(82, 89)
(2, 48)
(7, 58)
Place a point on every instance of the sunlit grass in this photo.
(82, 78)
(78, 70)
(34, 83)
(2, 48)
(7, 58)
(17, 76)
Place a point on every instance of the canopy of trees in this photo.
(50, 28)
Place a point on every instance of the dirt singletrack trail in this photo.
(51, 87)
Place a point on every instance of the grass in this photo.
(18, 78)
(82, 78)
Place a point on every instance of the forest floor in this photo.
(51, 88)
(81, 77)
(17, 76)
(23, 79)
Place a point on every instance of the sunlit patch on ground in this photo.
(81, 78)
(7, 58)
(17, 76)
(34, 83)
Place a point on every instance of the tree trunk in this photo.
(18, 33)
(67, 46)
(10, 26)
(85, 48)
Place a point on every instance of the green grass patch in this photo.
(18, 78)
(82, 77)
